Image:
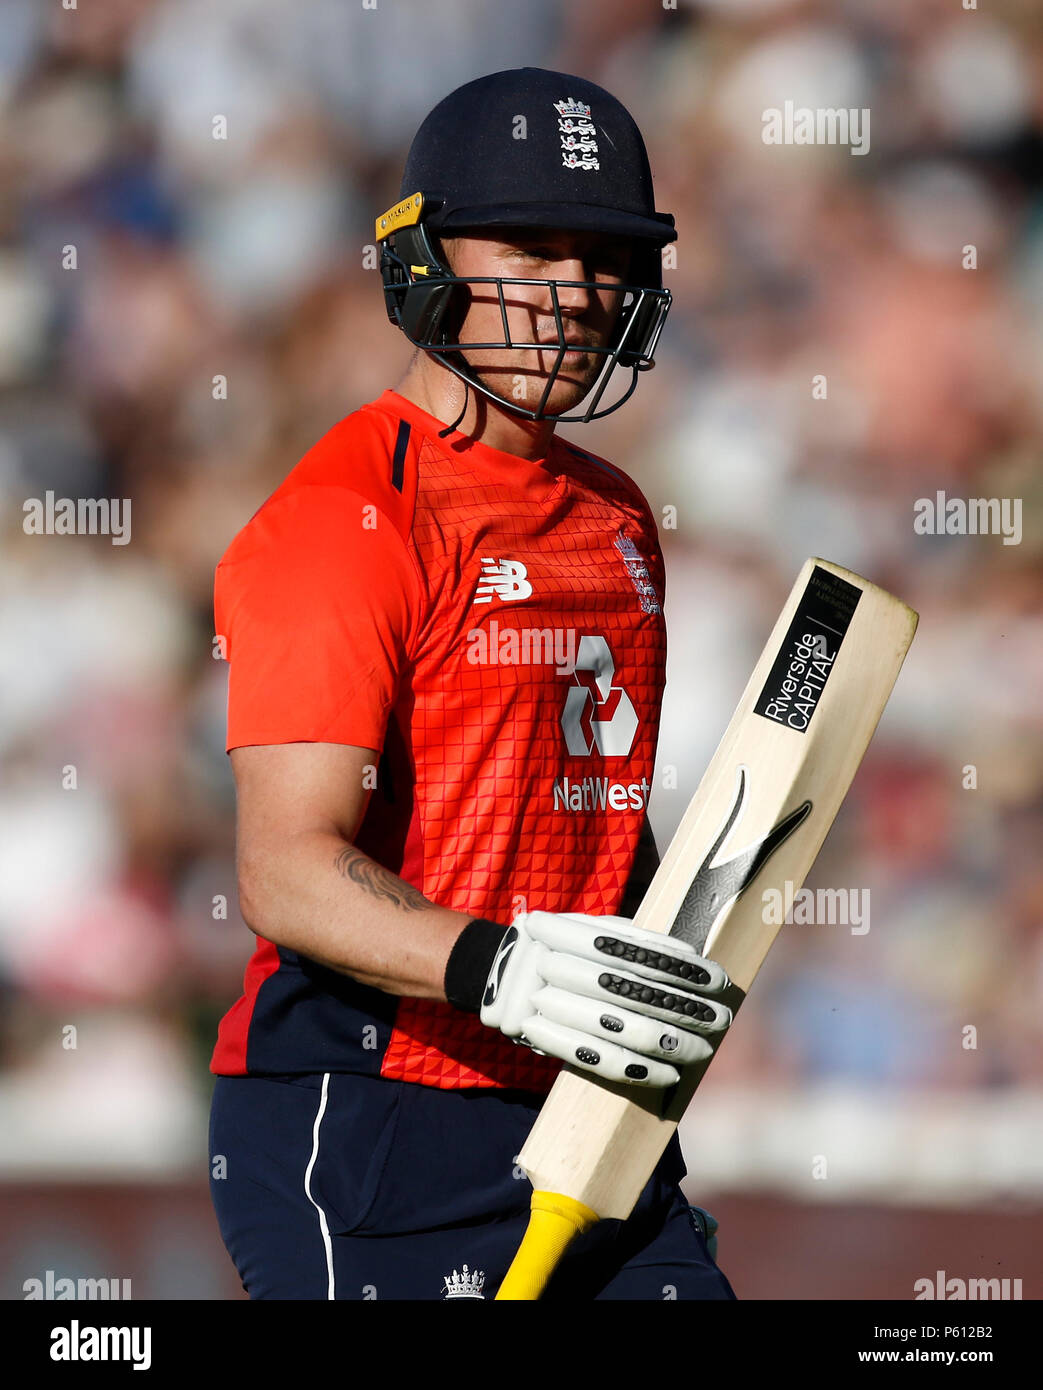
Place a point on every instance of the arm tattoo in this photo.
(377, 881)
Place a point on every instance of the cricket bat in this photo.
(757, 821)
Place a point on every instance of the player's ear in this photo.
(446, 248)
(456, 310)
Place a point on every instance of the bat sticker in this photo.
(804, 661)
(715, 885)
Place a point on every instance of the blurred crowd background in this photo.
(246, 258)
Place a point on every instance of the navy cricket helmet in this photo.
(525, 148)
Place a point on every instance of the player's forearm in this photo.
(320, 896)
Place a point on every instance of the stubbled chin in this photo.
(571, 385)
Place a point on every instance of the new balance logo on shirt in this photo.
(502, 579)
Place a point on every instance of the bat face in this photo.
(761, 812)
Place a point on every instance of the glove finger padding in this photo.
(607, 1060)
(621, 1028)
(672, 1003)
(616, 941)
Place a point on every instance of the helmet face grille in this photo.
(428, 303)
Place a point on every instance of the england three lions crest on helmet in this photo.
(577, 132)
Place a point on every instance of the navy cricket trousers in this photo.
(337, 1186)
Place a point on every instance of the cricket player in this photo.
(446, 643)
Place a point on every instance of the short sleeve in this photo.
(316, 600)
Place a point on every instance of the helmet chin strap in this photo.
(463, 411)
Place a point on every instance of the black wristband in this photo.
(469, 963)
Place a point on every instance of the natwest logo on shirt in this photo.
(597, 714)
(599, 793)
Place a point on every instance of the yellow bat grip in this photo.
(553, 1222)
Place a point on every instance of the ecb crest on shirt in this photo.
(638, 571)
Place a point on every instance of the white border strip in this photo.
(886, 1144)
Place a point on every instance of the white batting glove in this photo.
(605, 996)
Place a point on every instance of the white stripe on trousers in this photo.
(323, 1224)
